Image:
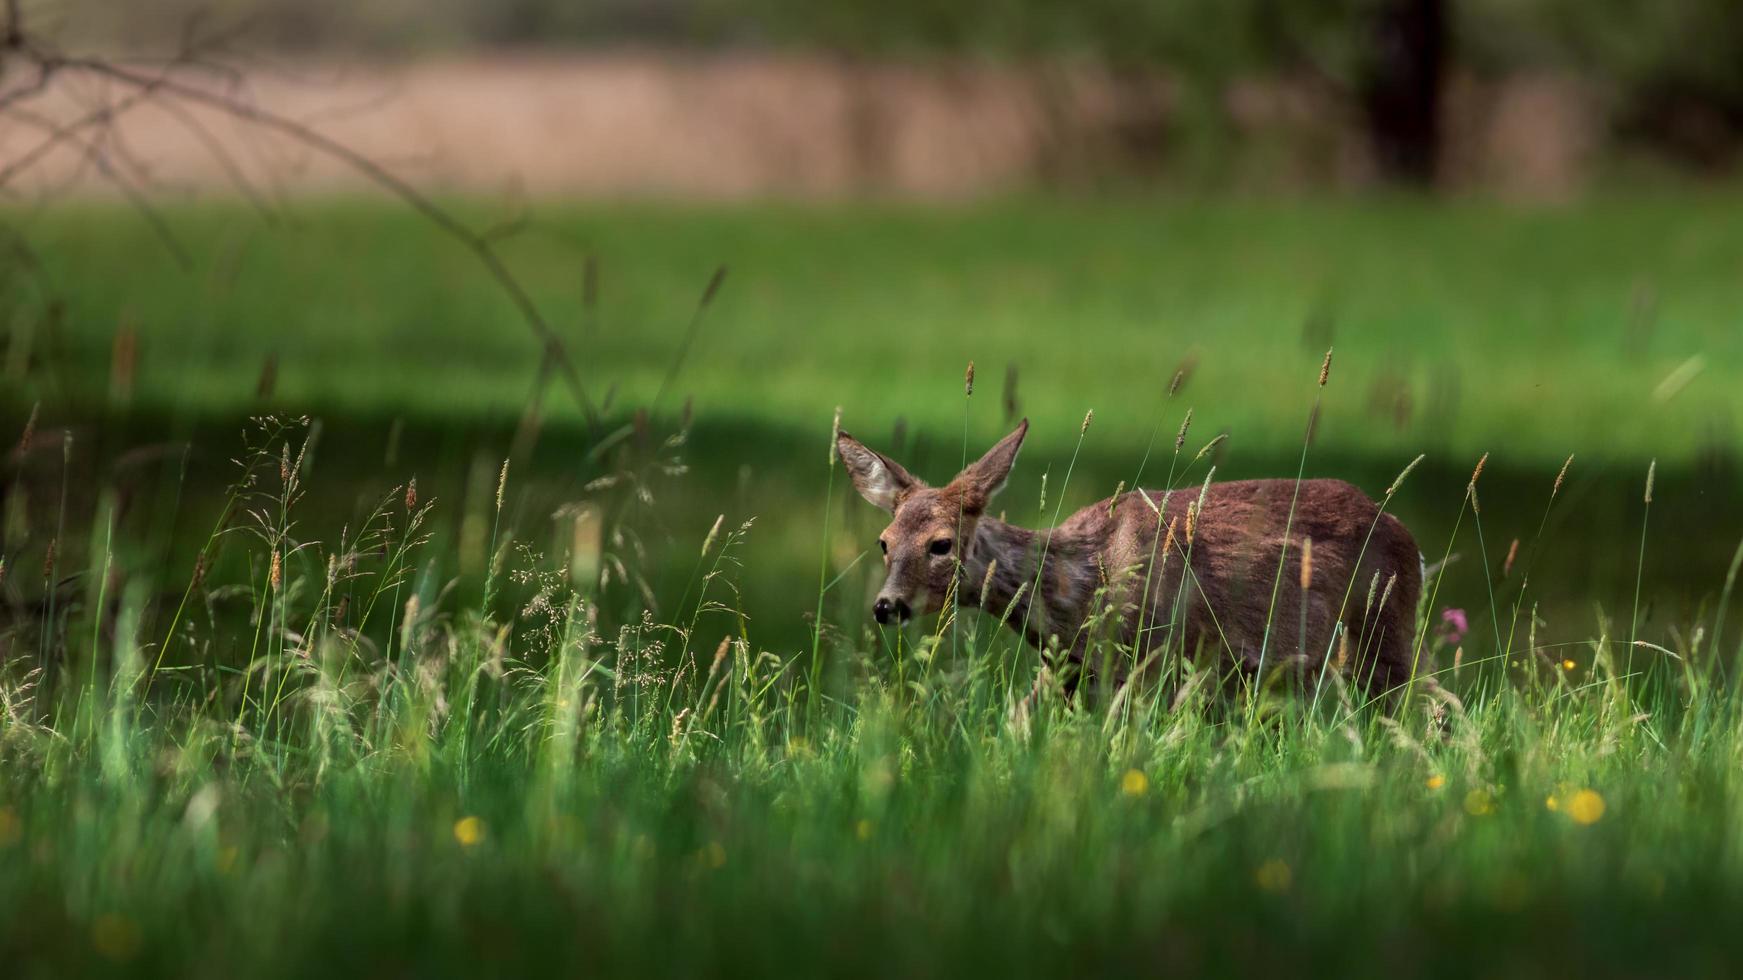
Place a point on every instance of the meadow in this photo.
(321, 650)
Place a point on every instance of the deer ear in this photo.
(878, 478)
(986, 476)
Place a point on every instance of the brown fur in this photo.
(1112, 569)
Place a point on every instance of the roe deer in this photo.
(1117, 567)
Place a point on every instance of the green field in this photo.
(264, 713)
(1531, 334)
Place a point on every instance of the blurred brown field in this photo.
(639, 123)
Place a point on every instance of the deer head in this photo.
(931, 530)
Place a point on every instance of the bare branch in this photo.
(162, 84)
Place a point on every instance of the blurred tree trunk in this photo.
(1401, 92)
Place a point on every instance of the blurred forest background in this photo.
(1537, 98)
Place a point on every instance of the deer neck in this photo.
(1014, 556)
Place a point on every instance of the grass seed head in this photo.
(1478, 472)
(1114, 501)
(275, 575)
(409, 626)
(1088, 417)
(1182, 373)
(1180, 437)
(1471, 488)
(1404, 473)
(29, 436)
(1559, 477)
(1325, 368)
(713, 532)
(1651, 471)
(411, 494)
(48, 561)
(1512, 553)
(834, 437)
(1220, 438)
(501, 485)
(968, 380)
(986, 583)
(1306, 564)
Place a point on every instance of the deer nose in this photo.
(884, 610)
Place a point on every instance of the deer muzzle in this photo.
(887, 610)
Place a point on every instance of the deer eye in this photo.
(940, 547)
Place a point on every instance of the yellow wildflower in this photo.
(468, 831)
(1436, 781)
(1134, 783)
(1586, 807)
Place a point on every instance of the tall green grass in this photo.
(319, 751)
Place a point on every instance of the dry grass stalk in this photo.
(1182, 374)
(123, 362)
(1471, 488)
(267, 383)
(29, 437)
